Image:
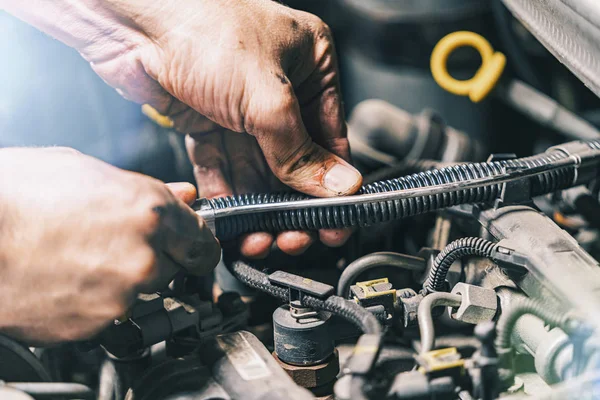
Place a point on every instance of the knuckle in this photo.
(282, 104)
(150, 218)
(320, 29)
(265, 111)
(152, 209)
(143, 267)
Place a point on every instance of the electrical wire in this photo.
(471, 246)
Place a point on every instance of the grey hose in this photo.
(425, 317)
(375, 260)
(508, 320)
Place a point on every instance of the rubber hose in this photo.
(346, 309)
(375, 260)
(334, 217)
(471, 246)
(425, 316)
(509, 318)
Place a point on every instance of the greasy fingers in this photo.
(295, 243)
(291, 153)
(334, 237)
(226, 163)
(184, 191)
(185, 237)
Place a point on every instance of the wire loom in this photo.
(345, 216)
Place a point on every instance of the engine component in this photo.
(318, 378)
(19, 364)
(376, 294)
(416, 385)
(302, 338)
(559, 168)
(425, 316)
(350, 311)
(556, 24)
(155, 318)
(436, 280)
(487, 383)
(477, 304)
(384, 46)
(549, 255)
(380, 133)
(242, 365)
(520, 96)
(376, 260)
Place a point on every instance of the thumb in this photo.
(294, 158)
(184, 191)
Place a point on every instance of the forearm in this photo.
(107, 27)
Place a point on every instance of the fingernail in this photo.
(341, 178)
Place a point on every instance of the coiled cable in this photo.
(352, 215)
(470, 246)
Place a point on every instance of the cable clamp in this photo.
(299, 287)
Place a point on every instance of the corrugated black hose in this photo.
(352, 215)
(469, 246)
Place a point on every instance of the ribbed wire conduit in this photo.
(377, 212)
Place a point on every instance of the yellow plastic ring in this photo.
(486, 77)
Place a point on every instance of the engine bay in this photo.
(472, 271)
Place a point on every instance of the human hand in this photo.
(80, 238)
(228, 163)
(252, 66)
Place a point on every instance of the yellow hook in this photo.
(486, 77)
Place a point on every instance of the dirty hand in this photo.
(81, 238)
(250, 66)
